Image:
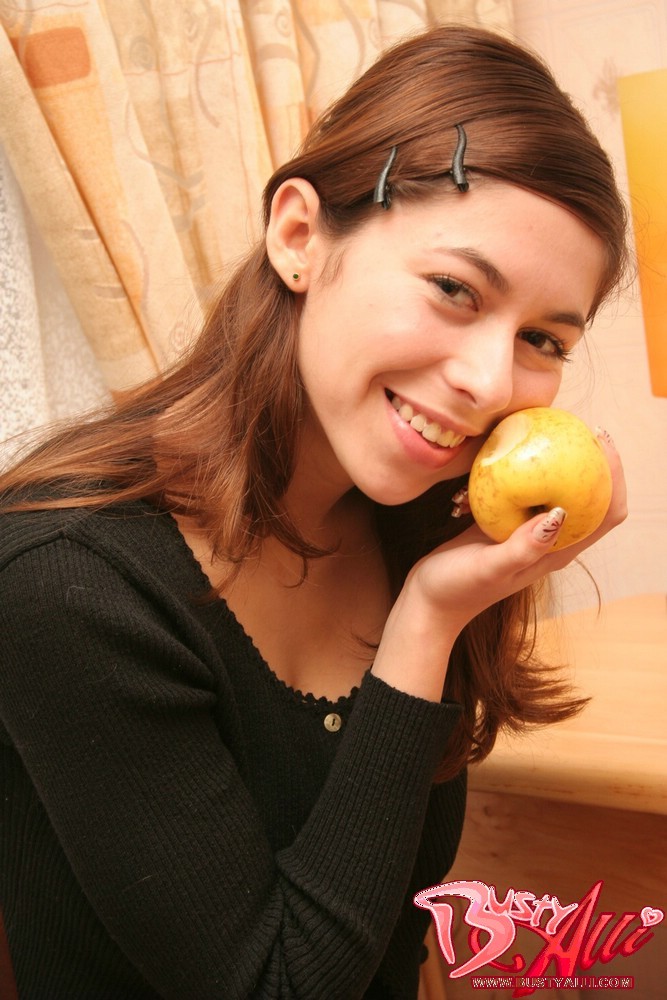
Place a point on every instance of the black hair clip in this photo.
(382, 193)
(458, 170)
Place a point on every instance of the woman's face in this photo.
(442, 317)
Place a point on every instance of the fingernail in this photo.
(549, 526)
(605, 435)
(461, 503)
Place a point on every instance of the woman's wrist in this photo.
(416, 645)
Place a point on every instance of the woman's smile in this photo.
(422, 438)
(430, 428)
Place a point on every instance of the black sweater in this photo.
(174, 820)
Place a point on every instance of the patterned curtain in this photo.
(135, 139)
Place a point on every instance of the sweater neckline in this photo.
(294, 694)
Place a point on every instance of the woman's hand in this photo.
(452, 585)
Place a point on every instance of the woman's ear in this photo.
(291, 231)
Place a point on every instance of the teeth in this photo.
(430, 430)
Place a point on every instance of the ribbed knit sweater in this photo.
(175, 821)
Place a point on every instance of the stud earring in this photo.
(296, 276)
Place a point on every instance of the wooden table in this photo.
(615, 752)
(557, 810)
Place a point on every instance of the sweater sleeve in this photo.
(112, 711)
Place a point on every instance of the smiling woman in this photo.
(462, 335)
(246, 653)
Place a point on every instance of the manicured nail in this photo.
(461, 505)
(605, 435)
(547, 529)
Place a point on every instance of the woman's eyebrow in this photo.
(501, 284)
(568, 319)
(482, 263)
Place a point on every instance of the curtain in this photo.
(135, 139)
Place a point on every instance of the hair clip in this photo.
(458, 170)
(382, 195)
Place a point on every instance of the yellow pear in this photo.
(535, 460)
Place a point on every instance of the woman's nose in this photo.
(482, 368)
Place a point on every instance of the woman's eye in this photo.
(546, 344)
(456, 291)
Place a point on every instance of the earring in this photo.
(296, 276)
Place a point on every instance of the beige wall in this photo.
(589, 44)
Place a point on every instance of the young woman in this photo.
(246, 650)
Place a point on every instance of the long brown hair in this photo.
(215, 438)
